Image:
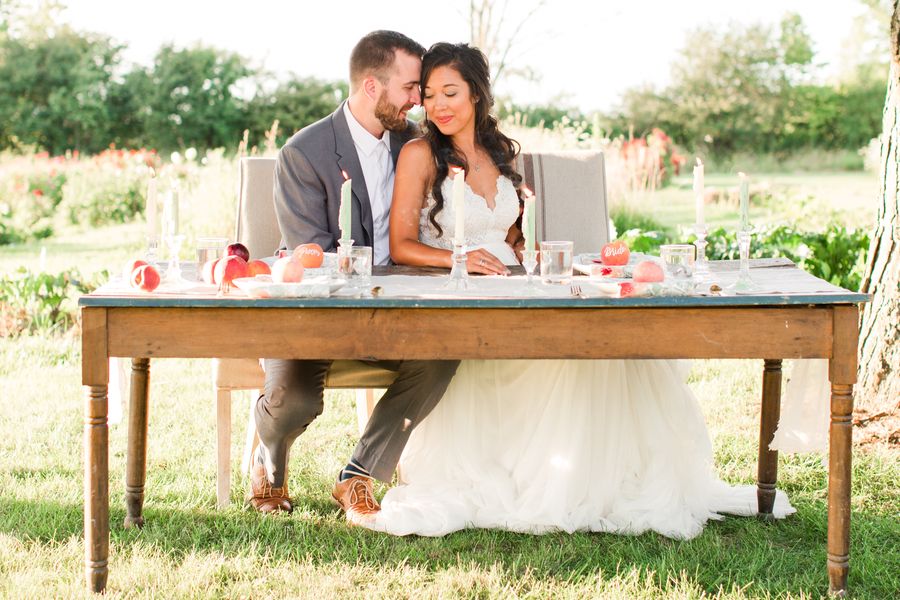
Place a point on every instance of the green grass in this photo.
(806, 200)
(188, 549)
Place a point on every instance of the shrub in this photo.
(836, 254)
(42, 303)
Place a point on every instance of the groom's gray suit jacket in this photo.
(308, 179)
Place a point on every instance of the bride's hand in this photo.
(482, 261)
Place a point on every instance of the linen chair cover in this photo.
(570, 196)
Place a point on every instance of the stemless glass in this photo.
(359, 268)
(556, 262)
(679, 263)
(209, 248)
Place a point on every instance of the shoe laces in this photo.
(359, 490)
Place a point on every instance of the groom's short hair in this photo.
(374, 54)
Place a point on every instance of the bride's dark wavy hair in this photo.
(473, 66)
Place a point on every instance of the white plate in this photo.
(262, 286)
(329, 262)
(584, 263)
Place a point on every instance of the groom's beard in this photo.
(389, 114)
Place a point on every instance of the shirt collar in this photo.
(364, 140)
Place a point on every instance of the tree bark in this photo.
(878, 392)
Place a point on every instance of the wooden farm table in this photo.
(765, 327)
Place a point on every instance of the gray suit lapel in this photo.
(348, 161)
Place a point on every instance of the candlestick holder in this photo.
(345, 258)
(529, 261)
(152, 249)
(459, 272)
(173, 270)
(744, 283)
(701, 264)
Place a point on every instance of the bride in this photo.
(532, 446)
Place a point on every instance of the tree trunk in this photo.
(878, 392)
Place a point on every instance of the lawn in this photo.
(189, 549)
(806, 200)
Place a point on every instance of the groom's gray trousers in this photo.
(294, 397)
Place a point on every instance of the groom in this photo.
(362, 138)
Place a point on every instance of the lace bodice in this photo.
(483, 225)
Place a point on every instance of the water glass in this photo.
(358, 269)
(556, 262)
(209, 248)
(679, 262)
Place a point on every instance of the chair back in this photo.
(257, 226)
(570, 196)
(569, 186)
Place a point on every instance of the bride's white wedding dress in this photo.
(541, 445)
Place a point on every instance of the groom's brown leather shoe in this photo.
(265, 498)
(356, 497)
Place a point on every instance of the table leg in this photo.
(767, 467)
(136, 469)
(842, 373)
(839, 468)
(95, 377)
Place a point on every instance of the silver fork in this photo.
(575, 290)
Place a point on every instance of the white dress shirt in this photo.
(378, 171)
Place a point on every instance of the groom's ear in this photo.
(370, 86)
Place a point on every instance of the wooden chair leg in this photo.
(223, 447)
(365, 404)
(136, 462)
(767, 472)
(251, 440)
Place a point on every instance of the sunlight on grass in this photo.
(188, 549)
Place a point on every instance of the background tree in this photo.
(752, 87)
(878, 391)
(294, 103)
(190, 97)
(55, 89)
(492, 30)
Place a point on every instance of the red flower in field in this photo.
(659, 133)
(38, 192)
(42, 155)
(75, 154)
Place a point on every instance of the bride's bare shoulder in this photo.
(416, 153)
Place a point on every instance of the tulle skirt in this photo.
(572, 445)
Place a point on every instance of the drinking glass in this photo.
(209, 248)
(679, 262)
(358, 268)
(556, 262)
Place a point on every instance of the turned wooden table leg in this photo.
(136, 469)
(842, 372)
(767, 467)
(95, 377)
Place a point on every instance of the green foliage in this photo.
(42, 303)
(750, 87)
(100, 196)
(54, 90)
(62, 89)
(190, 97)
(294, 104)
(836, 254)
